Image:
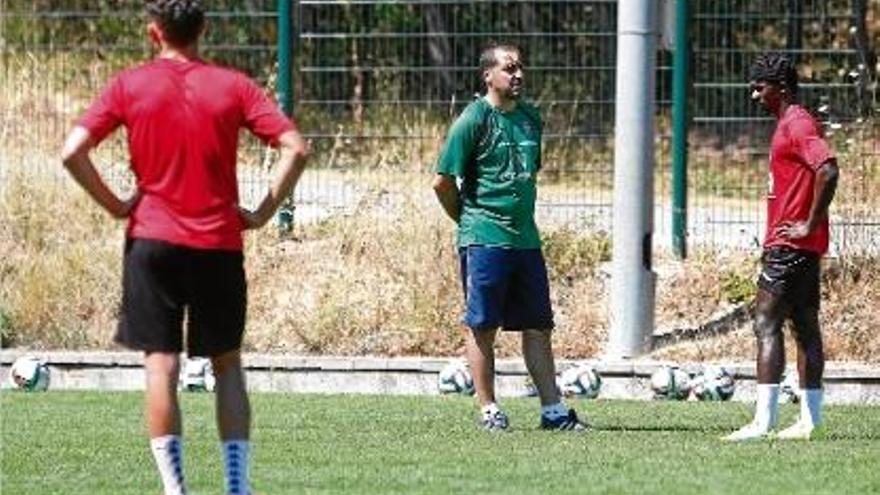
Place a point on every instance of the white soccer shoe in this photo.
(802, 430)
(751, 431)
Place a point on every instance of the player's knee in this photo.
(227, 361)
(766, 328)
(163, 363)
(806, 326)
(536, 335)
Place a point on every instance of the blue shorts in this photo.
(505, 288)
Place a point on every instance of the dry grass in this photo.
(59, 270)
(849, 318)
(381, 279)
(695, 290)
(374, 282)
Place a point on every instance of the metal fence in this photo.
(376, 83)
(833, 43)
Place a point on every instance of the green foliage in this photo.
(432, 445)
(736, 287)
(573, 254)
(7, 332)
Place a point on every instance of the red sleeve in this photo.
(808, 142)
(261, 115)
(106, 112)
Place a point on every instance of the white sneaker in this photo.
(751, 431)
(802, 430)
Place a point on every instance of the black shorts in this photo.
(791, 274)
(162, 282)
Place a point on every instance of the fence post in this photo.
(284, 92)
(795, 35)
(284, 88)
(680, 70)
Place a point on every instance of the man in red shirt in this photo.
(183, 250)
(803, 179)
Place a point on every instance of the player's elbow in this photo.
(76, 146)
(443, 184)
(293, 144)
(70, 157)
(829, 173)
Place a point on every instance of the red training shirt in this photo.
(797, 151)
(182, 121)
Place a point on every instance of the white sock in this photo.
(811, 406)
(235, 457)
(767, 405)
(168, 452)
(554, 411)
(490, 408)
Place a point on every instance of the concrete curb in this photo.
(622, 379)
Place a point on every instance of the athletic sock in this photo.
(811, 406)
(767, 405)
(168, 452)
(554, 411)
(235, 457)
(489, 409)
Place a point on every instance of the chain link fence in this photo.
(729, 139)
(377, 82)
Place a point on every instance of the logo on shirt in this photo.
(518, 170)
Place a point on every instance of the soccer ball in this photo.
(790, 389)
(198, 375)
(581, 380)
(29, 374)
(714, 383)
(455, 378)
(670, 382)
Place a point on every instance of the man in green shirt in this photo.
(486, 183)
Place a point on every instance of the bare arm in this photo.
(291, 162)
(76, 159)
(823, 192)
(447, 193)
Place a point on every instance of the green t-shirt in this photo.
(496, 155)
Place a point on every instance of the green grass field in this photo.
(93, 443)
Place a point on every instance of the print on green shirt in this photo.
(496, 155)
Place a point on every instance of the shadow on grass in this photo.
(660, 428)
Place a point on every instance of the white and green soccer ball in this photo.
(581, 380)
(715, 383)
(29, 374)
(197, 375)
(670, 383)
(454, 378)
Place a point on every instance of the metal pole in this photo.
(680, 71)
(284, 93)
(794, 40)
(632, 281)
(284, 87)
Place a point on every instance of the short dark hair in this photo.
(488, 58)
(775, 68)
(182, 21)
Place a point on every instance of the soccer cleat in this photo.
(496, 421)
(569, 422)
(802, 430)
(751, 431)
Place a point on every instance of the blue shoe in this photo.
(496, 421)
(569, 422)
